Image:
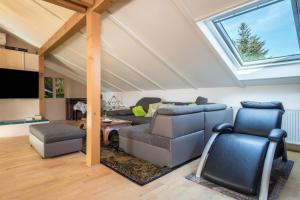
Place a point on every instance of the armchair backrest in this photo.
(145, 101)
(258, 118)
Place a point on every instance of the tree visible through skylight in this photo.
(262, 33)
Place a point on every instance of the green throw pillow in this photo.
(138, 111)
(192, 104)
(152, 109)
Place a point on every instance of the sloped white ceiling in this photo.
(147, 44)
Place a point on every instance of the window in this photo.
(48, 87)
(261, 34)
(59, 88)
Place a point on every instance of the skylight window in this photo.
(263, 33)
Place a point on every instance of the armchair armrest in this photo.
(222, 127)
(277, 135)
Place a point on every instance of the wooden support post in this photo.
(42, 86)
(93, 27)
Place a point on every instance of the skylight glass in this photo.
(263, 33)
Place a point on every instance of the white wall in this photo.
(56, 107)
(12, 109)
(288, 94)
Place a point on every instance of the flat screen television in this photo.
(17, 84)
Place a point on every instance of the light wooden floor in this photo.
(24, 175)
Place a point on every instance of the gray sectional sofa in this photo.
(175, 135)
(127, 114)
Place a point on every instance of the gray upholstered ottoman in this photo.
(55, 139)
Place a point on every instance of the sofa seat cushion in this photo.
(135, 120)
(123, 112)
(141, 133)
(235, 161)
(55, 132)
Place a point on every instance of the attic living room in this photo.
(149, 99)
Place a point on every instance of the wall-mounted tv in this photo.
(16, 84)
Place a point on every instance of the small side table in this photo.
(116, 124)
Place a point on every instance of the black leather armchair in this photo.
(240, 157)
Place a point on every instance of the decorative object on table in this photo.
(48, 87)
(59, 88)
(113, 104)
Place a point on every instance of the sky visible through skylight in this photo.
(274, 24)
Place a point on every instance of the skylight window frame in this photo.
(226, 42)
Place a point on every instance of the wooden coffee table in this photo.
(106, 127)
(116, 124)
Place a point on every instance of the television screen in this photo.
(18, 84)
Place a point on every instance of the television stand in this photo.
(14, 128)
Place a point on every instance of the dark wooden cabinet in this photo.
(71, 114)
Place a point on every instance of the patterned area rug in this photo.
(135, 169)
(279, 176)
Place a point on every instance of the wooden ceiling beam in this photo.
(68, 5)
(73, 25)
(85, 3)
(102, 5)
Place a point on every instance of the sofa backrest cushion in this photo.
(176, 103)
(145, 101)
(173, 126)
(181, 110)
(201, 100)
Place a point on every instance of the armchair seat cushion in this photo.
(236, 162)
